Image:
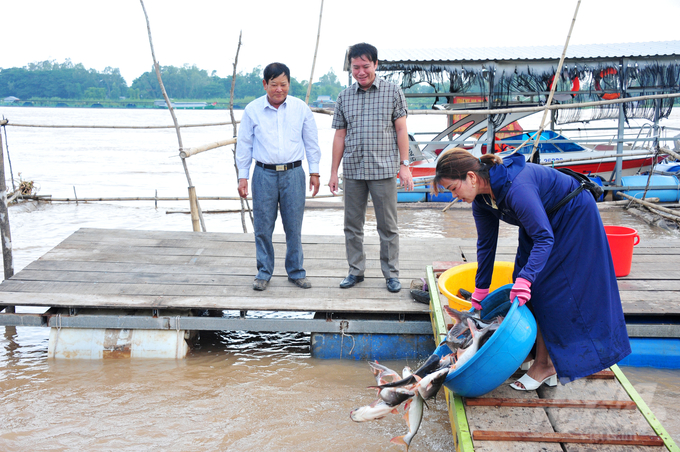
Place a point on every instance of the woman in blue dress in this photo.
(563, 263)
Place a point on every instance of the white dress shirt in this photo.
(277, 136)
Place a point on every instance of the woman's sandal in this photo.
(530, 384)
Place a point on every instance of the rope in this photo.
(11, 173)
(343, 326)
(179, 339)
(53, 126)
(56, 338)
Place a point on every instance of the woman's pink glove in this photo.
(522, 290)
(477, 296)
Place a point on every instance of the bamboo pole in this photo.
(666, 150)
(553, 86)
(650, 205)
(5, 233)
(675, 218)
(195, 221)
(244, 202)
(318, 36)
(49, 198)
(206, 147)
(172, 113)
(325, 111)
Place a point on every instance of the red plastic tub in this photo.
(621, 242)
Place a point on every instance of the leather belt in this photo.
(284, 167)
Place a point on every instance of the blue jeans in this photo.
(273, 189)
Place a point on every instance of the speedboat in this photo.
(553, 149)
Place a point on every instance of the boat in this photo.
(183, 105)
(324, 101)
(553, 149)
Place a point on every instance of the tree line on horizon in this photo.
(68, 81)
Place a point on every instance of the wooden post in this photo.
(157, 68)
(622, 119)
(5, 234)
(553, 86)
(244, 202)
(311, 76)
(195, 220)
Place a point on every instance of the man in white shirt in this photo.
(277, 131)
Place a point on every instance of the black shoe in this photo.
(393, 285)
(421, 296)
(351, 281)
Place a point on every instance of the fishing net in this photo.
(530, 85)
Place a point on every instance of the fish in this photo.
(376, 410)
(413, 417)
(391, 396)
(430, 365)
(430, 385)
(383, 374)
(470, 351)
(447, 360)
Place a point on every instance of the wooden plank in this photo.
(459, 424)
(279, 288)
(322, 267)
(647, 285)
(407, 247)
(181, 239)
(595, 422)
(603, 374)
(227, 302)
(519, 419)
(553, 403)
(159, 256)
(554, 437)
(644, 410)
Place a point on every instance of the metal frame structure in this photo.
(61, 318)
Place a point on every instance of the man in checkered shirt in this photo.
(372, 141)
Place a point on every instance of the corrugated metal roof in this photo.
(535, 53)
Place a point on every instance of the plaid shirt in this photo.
(371, 150)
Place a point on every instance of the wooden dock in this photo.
(97, 271)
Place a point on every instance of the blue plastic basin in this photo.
(502, 354)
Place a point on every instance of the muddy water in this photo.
(236, 391)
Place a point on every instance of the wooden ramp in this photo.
(602, 412)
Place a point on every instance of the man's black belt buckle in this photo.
(284, 167)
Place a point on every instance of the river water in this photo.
(236, 391)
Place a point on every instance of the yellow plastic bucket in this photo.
(463, 277)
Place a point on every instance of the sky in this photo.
(101, 33)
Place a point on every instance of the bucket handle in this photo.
(637, 239)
